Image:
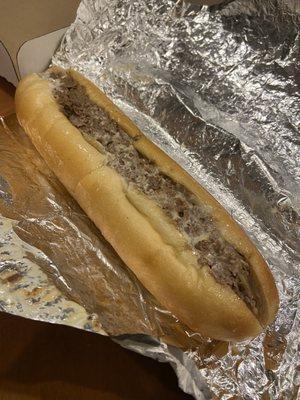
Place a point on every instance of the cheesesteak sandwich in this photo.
(177, 239)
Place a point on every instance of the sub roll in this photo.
(177, 239)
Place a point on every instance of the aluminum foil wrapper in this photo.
(218, 89)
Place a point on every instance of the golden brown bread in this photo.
(136, 227)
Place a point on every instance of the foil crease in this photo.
(218, 89)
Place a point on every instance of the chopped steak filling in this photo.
(226, 264)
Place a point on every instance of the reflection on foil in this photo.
(218, 89)
(25, 289)
(55, 266)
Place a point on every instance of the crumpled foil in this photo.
(218, 89)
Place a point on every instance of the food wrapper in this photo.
(217, 88)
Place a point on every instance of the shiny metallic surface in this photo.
(218, 89)
(25, 287)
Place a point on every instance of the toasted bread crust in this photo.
(136, 227)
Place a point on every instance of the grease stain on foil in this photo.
(25, 289)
